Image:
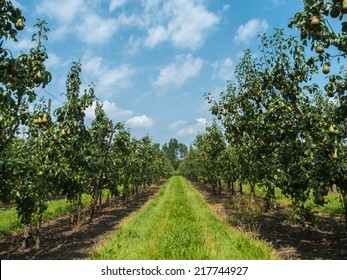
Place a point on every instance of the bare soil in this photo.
(324, 239)
(61, 241)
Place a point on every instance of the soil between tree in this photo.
(325, 239)
(61, 241)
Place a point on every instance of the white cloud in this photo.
(190, 24)
(95, 29)
(115, 113)
(223, 69)
(22, 44)
(177, 124)
(53, 61)
(18, 5)
(140, 122)
(130, 20)
(93, 65)
(183, 128)
(64, 10)
(115, 4)
(133, 45)
(155, 36)
(107, 79)
(78, 17)
(177, 73)
(119, 76)
(246, 32)
(183, 23)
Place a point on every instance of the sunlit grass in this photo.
(178, 224)
(332, 204)
(9, 221)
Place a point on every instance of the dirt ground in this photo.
(324, 239)
(60, 241)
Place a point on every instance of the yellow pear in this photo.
(334, 130)
(335, 156)
(19, 24)
(331, 129)
(63, 132)
(47, 159)
(44, 118)
(315, 22)
(320, 49)
(344, 6)
(326, 69)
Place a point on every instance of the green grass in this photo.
(178, 225)
(9, 221)
(332, 206)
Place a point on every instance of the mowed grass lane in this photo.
(178, 225)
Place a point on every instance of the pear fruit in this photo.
(315, 22)
(335, 156)
(326, 69)
(44, 118)
(47, 160)
(63, 132)
(38, 78)
(344, 7)
(333, 130)
(19, 24)
(320, 49)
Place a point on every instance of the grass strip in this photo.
(178, 225)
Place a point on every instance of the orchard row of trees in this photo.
(275, 127)
(59, 154)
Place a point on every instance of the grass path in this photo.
(178, 224)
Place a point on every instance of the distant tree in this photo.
(182, 151)
(175, 152)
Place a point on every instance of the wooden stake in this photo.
(49, 105)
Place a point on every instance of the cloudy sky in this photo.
(152, 61)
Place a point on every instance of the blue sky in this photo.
(152, 61)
